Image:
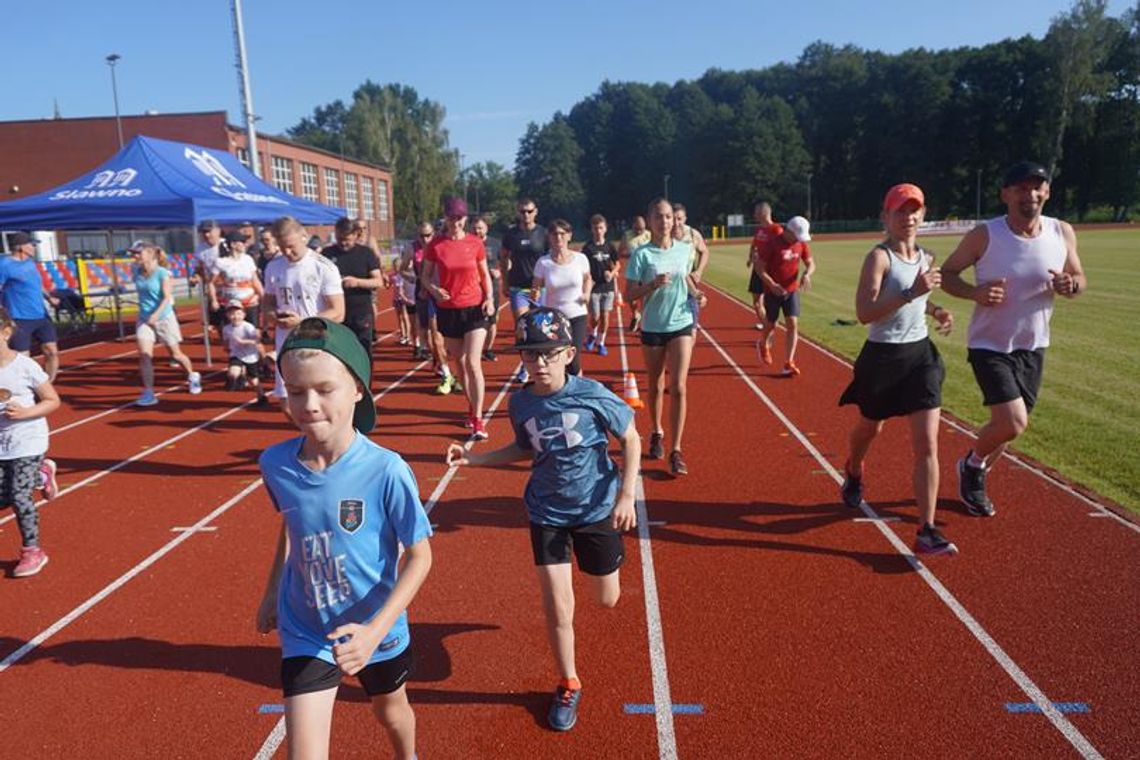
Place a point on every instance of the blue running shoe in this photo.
(852, 490)
(602, 350)
(589, 344)
(564, 707)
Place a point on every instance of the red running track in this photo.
(771, 619)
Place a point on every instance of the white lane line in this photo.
(110, 588)
(1023, 681)
(272, 742)
(662, 698)
(1134, 527)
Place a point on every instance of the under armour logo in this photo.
(206, 163)
(112, 178)
(569, 421)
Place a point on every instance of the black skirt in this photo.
(896, 379)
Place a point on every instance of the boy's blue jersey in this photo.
(573, 480)
(345, 525)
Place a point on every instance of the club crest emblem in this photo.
(351, 514)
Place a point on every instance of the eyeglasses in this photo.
(527, 210)
(426, 236)
(547, 357)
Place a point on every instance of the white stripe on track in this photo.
(1023, 681)
(1134, 527)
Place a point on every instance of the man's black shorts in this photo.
(1005, 377)
(455, 323)
(598, 546)
(304, 675)
(755, 284)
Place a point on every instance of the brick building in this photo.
(37, 155)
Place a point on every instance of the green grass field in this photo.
(1087, 421)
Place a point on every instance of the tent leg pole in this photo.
(206, 325)
(115, 283)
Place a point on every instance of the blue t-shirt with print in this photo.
(21, 289)
(666, 309)
(345, 526)
(573, 481)
(150, 292)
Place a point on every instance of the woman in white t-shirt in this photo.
(26, 398)
(236, 277)
(562, 281)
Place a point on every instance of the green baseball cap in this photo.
(336, 339)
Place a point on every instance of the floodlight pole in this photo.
(246, 93)
(978, 199)
(809, 195)
(666, 196)
(112, 59)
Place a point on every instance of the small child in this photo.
(347, 505)
(403, 300)
(26, 398)
(243, 341)
(576, 496)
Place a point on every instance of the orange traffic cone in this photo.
(631, 396)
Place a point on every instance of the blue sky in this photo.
(494, 65)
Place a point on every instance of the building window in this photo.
(332, 187)
(350, 194)
(309, 182)
(283, 174)
(382, 198)
(243, 156)
(366, 198)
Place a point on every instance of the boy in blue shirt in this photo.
(576, 496)
(347, 505)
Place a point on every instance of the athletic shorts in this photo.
(30, 331)
(409, 308)
(755, 284)
(455, 323)
(600, 302)
(656, 339)
(424, 308)
(363, 325)
(253, 369)
(789, 304)
(1005, 377)
(521, 299)
(896, 379)
(304, 675)
(165, 331)
(597, 546)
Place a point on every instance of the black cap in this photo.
(207, 224)
(1022, 171)
(236, 237)
(21, 238)
(542, 328)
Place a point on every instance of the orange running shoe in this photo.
(765, 352)
(790, 369)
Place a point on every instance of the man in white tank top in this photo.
(1021, 262)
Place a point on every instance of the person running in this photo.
(360, 273)
(411, 262)
(659, 273)
(403, 299)
(562, 281)
(687, 234)
(635, 237)
(156, 320)
(22, 293)
(576, 496)
(782, 284)
(605, 264)
(899, 372)
(267, 250)
(339, 585)
(523, 245)
(766, 230)
(243, 342)
(27, 397)
(493, 247)
(236, 277)
(205, 259)
(299, 283)
(1021, 262)
(463, 301)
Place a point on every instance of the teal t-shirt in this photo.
(150, 292)
(666, 309)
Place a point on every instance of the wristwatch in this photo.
(907, 294)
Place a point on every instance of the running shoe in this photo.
(195, 383)
(656, 446)
(972, 488)
(602, 350)
(852, 490)
(478, 430)
(47, 479)
(765, 352)
(404, 340)
(564, 706)
(931, 541)
(444, 386)
(759, 325)
(32, 560)
(456, 385)
(147, 398)
(589, 344)
(489, 356)
(262, 401)
(677, 464)
(790, 369)
(522, 376)
(419, 353)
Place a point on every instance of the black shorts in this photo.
(789, 304)
(252, 369)
(1005, 377)
(896, 379)
(425, 310)
(455, 323)
(656, 339)
(305, 675)
(598, 546)
(29, 331)
(363, 325)
(409, 309)
(755, 284)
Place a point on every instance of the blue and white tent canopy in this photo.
(160, 183)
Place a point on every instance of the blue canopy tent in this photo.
(160, 183)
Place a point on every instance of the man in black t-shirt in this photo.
(360, 273)
(604, 265)
(523, 245)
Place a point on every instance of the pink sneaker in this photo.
(47, 479)
(478, 431)
(32, 560)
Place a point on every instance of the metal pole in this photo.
(112, 59)
(666, 196)
(978, 199)
(809, 195)
(246, 93)
(115, 282)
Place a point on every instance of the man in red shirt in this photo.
(782, 280)
(766, 229)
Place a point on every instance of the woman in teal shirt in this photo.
(157, 321)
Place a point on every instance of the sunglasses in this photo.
(529, 355)
(527, 210)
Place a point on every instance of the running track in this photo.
(759, 617)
